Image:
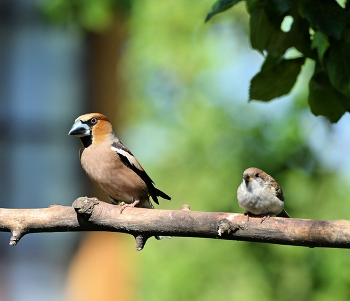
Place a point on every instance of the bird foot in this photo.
(266, 217)
(123, 205)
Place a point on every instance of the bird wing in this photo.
(130, 161)
(277, 187)
(279, 193)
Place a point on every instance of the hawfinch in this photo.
(111, 166)
(259, 194)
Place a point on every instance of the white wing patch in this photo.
(130, 158)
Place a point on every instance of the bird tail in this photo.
(154, 192)
(283, 214)
(162, 194)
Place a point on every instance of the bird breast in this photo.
(111, 175)
(259, 199)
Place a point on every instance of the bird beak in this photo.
(247, 177)
(80, 129)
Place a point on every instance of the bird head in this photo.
(91, 128)
(254, 174)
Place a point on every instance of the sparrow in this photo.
(259, 194)
(111, 166)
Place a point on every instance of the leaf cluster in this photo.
(319, 32)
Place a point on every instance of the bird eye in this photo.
(93, 120)
(257, 175)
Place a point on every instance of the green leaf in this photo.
(299, 36)
(278, 43)
(253, 4)
(324, 99)
(346, 35)
(276, 10)
(338, 66)
(320, 43)
(270, 62)
(278, 7)
(260, 28)
(326, 15)
(275, 81)
(266, 34)
(219, 6)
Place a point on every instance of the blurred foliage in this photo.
(202, 136)
(319, 31)
(90, 15)
(202, 141)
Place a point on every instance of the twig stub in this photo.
(140, 241)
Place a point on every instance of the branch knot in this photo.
(226, 227)
(85, 206)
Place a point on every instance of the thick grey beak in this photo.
(80, 129)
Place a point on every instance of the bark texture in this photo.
(89, 214)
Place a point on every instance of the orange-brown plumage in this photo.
(110, 165)
(101, 130)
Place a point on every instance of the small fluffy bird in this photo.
(259, 194)
(111, 166)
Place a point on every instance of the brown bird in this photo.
(259, 194)
(111, 166)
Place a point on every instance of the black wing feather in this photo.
(154, 192)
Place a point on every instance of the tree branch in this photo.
(89, 214)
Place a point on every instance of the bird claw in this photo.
(266, 217)
(123, 205)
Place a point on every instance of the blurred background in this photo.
(176, 90)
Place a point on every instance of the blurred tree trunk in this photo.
(103, 267)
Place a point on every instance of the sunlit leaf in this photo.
(276, 81)
(320, 43)
(219, 6)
